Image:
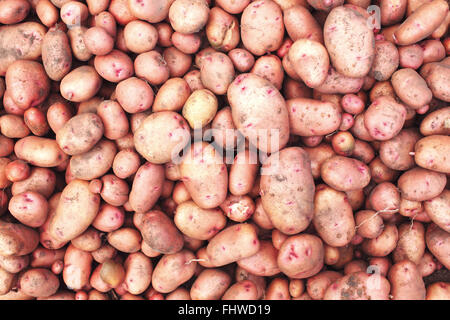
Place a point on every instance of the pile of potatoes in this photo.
(224, 149)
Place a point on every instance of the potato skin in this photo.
(406, 281)
(39, 282)
(287, 190)
(77, 268)
(232, 244)
(147, 187)
(432, 153)
(263, 263)
(348, 39)
(262, 27)
(411, 88)
(17, 239)
(419, 184)
(333, 217)
(56, 54)
(345, 174)
(41, 152)
(259, 106)
(138, 273)
(80, 84)
(438, 242)
(76, 210)
(437, 209)
(210, 284)
(394, 153)
(436, 123)
(310, 117)
(173, 270)
(411, 243)
(301, 256)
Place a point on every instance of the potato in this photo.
(392, 12)
(115, 66)
(431, 153)
(420, 184)
(436, 74)
(336, 82)
(13, 11)
(243, 172)
(410, 56)
(318, 155)
(98, 41)
(222, 30)
(38, 282)
(125, 239)
(259, 282)
(73, 13)
(140, 36)
(20, 41)
(411, 243)
(159, 232)
(436, 123)
(173, 270)
(223, 130)
(138, 275)
(384, 118)
(394, 153)
(438, 291)
(385, 199)
(287, 190)
(345, 174)
(188, 16)
(200, 108)
(406, 281)
(6, 279)
(76, 210)
(278, 289)
(301, 256)
(333, 216)
(349, 41)
(233, 7)
(421, 23)
(147, 187)
(210, 284)
(94, 163)
(56, 53)
(80, 84)
(386, 60)
(241, 290)
(242, 59)
(217, 72)
(262, 263)
(30, 208)
(13, 264)
(198, 223)
(256, 104)
(262, 27)
(359, 286)
(437, 209)
(150, 10)
(172, 95)
(13, 126)
(178, 62)
(317, 285)
(382, 245)
(41, 180)
(411, 88)
(77, 268)
(114, 119)
(309, 117)
(300, 24)
(42, 152)
(437, 241)
(232, 244)
(76, 38)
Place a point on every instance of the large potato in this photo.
(411, 88)
(433, 153)
(41, 152)
(259, 112)
(56, 54)
(420, 184)
(406, 281)
(345, 174)
(287, 190)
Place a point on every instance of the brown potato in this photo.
(431, 153)
(56, 53)
(406, 282)
(394, 153)
(437, 241)
(210, 284)
(125, 239)
(359, 286)
(420, 184)
(77, 268)
(39, 282)
(382, 245)
(411, 88)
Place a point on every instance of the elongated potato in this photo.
(419, 184)
(345, 174)
(138, 273)
(80, 84)
(56, 53)
(210, 284)
(259, 112)
(411, 88)
(232, 244)
(433, 152)
(386, 60)
(39, 282)
(76, 210)
(438, 242)
(41, 152)
(147, 187)
(406, 281)
(77, 268)
(333, 216)
(287, 190)
(243, 172)
(436, 122)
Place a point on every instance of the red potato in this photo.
(406, 282)
(345, 174)
(210, 284)
(140, 36)
(98, 41)
(300, 24)
(57, 59)
(74, 13)
(269, 67)
(30, 208)
(115, 66)
(222, 30)
(13, 11)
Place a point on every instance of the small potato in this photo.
(238, 208)
(410, 56)
(107, 21)
(300, 24)
(17, 240)
(369, 225)
(98, 41)
(349, 42)
(178, 62)
(241, 290)
(77, 268)
(243, 172)
(355, 266)
(317, 285)
(126, 163)
(186, 43)
(336, 82)
(173, 270)
(159, 232)
(242, 60)
(198, 223)
(13, 126)
(94, 163)
(27, 83)
(210, 284)
(138, 273)
(109, 218)
(80, 84)
(126, 240)
(97, 6)
(420, 184)
(301, 256)
(394, 153)
(31, 149)
(115, 66)
(436, 123)
(232, 244)
(406, 281)
(260, 217)
(80, 134)
(333, 216)
(114, 119)
(270, 68)
(78, 204)
(114, 191)
(259, 282)
(359, 286)
(384, 118)
(35, 120)
(188, 16)
(386, 60)
(411, 88)
(41, 180)
(431, 153)
(74, 13)
(88, 241)
(345, 174)
(262, 263)
(382, 245)
(161, 136)
(30, 208)
(222, 30)
(311, 117)
(39, 282)
(193, 80)
(278, 289)
(433, 51)
(287, 190)
(392, 12)
(385, 199)
(437, 241)
(104, 253)
(56, 54)
(134, 95)
(262, 27)
(217, 72)
(172, 95)
(223, 130)
(411, 242)
(200, 108)
(79, 49)
(421, 23)
(140, 36)
(317, 156)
